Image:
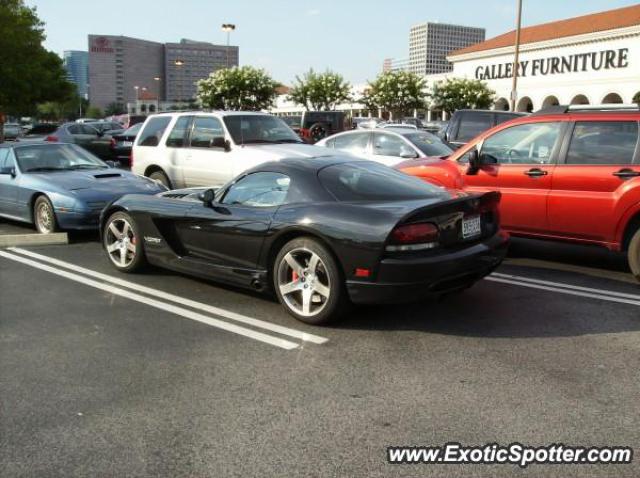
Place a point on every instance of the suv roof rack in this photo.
(562, 109)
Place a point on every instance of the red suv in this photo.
(564, 174)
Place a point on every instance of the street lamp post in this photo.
(137, 88)
(157, 80)
(516, 59)
(228, 28)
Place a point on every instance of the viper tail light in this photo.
(414, 237)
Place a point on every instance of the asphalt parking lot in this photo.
(158, 374)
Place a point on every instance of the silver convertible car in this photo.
(61, 186)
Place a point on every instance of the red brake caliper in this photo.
(294, 276)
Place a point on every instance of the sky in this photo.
(285, 37)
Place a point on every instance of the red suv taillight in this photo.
(414, 237)
(51, 138)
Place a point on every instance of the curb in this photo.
(12, 240)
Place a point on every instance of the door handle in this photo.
(536, 172)
(626, 173)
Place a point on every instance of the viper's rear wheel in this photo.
(308, 282)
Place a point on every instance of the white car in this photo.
(191, 149)
(389, 146)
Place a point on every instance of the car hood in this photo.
(113, 181)
(279, 151)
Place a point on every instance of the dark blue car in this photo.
(61, 186)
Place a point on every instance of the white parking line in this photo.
(567, 286)
(236, 329)
(568, 291)
(298, 334)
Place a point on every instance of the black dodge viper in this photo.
(322, 233)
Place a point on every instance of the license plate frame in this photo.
(126, 144)
(471, 227)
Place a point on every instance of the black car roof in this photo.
(314, 163)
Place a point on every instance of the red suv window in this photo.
(603, 142)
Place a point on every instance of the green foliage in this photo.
(115, 109)
(94, 112)
(320, 91)
(636, 98)
(238, 88)
(29, 74)
(399, 92)
(460, 93)
(61, 110)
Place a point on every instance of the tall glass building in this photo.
(77, 65)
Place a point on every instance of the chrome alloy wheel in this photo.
(304, 283)
(44, 218)
(120, 242)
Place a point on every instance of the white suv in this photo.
(189, 149)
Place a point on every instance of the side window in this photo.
(530, 143)
(74, 129)
(259, 190)
(4, 153)
(205, 129)
(472, 124)
(503, 118)
(356, 142)
(387, 145)
(178, 134)
(603, 142)
(153, 131)
(85, 129)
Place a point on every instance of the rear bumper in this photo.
(415, 280)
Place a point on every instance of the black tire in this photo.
(132, 262)
(44, 216)
(633, 255)
(318, 131)
(158, 175)
(327, 274)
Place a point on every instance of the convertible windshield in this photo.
(259, 129)
(55, 157)
(429, 144)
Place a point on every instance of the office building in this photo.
(430, 43)
(76, 63)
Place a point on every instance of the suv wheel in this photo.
(160, 177)
(633, 255)
(318, 131)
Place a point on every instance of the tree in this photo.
(636, 98)
(114, 108)
(29, 73)
(237, 88)
(399, 92)
(459, 93)
(94, 112)
(320, 91)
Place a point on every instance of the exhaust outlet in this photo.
(257, 285)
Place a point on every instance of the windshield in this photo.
(55, 157)
(429, 144)
(369, 181)
(259, 129)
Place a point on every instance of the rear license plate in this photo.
(471, 227)
(127, 143)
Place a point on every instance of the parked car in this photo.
(317, 125)
(38, 132)
(417, 122)
(565, 174)
(86, 120)
(397, 126)
(61, 186)
(127, 120)
(84, 135)
(209, 148)
(320, 232)
(366, 123)
(12, 131)
(122, 144)
(435, 126)
(465, 125)
(108, 127)
(390, 146)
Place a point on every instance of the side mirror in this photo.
(207, 197)
(9, 171)
(474, 162)
(220, 142)
(407, 153)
